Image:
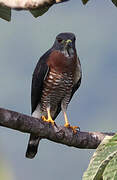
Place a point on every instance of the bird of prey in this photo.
(55, 79)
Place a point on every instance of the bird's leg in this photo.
(49, 119)
(67, 122)
(68, 125)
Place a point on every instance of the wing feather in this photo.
(39, 75)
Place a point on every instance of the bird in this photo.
(55, 79)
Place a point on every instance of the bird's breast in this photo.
(56, 87)
(59, 62)
(59, 81)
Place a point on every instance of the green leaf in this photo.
(103, 161)
(111, 170)
(114, 2)
(84, 1)
(5, 13)
(39, 12)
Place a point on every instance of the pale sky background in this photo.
(94, 106)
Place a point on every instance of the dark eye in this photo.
(59, 40)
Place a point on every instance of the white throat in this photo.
(69, 53)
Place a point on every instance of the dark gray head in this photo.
(65, 42)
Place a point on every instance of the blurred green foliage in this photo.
(5, 170)
(103, 164)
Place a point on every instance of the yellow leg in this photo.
(68, 125)
(50, 120)
(66, 120)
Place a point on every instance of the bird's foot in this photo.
(74, 128)
(49, 120)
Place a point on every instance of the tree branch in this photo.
(28, 4)
(36, 7)
(59, 134)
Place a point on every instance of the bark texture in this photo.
(58, 134)
(28, 4)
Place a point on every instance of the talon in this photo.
(67, 125)
(74, 128)
(49, 120)
(43, 118)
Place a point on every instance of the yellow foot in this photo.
(74, 128)
(49, 120)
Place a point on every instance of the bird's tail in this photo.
(32, 146)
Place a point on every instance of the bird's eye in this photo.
(59, 40)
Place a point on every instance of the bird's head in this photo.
(65, 43)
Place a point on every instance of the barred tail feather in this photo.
(32, 146)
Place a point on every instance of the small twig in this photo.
(59, 134)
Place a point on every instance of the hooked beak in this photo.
(68, 43)
(69, 48)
